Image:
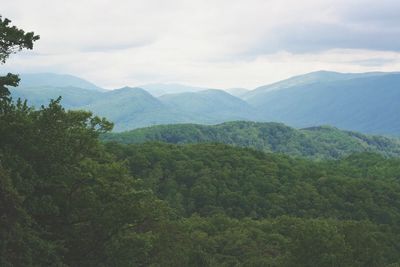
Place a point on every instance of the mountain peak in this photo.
(131, 91)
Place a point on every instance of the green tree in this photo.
(12, 40)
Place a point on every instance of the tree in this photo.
(12, 40)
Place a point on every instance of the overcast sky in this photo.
(211, 43)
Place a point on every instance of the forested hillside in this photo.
(316, 143)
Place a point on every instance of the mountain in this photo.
(366, 104)
(317, 142)
(55, 80)
(238, 92)
(305, 79)
(159, 89)
(130, 108)
(363, 102)
(72, 97)
(39, 88)
(209, 106)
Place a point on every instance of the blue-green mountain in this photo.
(363, 102)
(367, 103)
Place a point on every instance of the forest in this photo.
(67, 198)
(320, 142)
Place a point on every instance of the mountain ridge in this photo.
(364, 102)
(55, 80)
(320, 142)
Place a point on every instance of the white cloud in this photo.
(216, 43)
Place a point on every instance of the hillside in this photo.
(317, 142)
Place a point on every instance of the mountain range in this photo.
(365, 102)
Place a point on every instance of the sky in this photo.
(208, 43)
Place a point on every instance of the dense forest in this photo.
(69, 199)
(322, 142)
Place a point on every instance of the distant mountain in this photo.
(367, 104)
(159, 89)
(209, 106)
(306, 79)
(130, 108)
(317, 142)
(72, 97)
(55, 80)
(364, 102)
(238, 92)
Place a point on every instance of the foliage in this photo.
(63, 192)
(315, 143)
(68, 200)
(12, 40)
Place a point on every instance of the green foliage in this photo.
(208, 179)
(315, 143)
(64, 199)
(67, 199)
(247, 208)
(12, 40)
(288, 241)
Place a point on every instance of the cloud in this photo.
(113, 46)
(216, 43)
